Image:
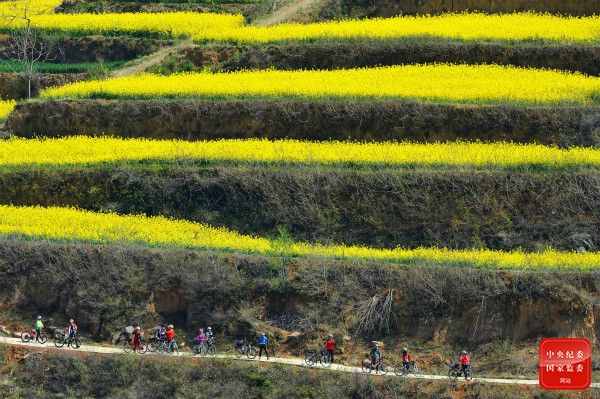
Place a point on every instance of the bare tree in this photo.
(27, 44)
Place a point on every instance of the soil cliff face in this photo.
(107, 287)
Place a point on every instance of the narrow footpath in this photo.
(288, 361)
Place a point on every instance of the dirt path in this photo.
(288, 361)
(287, 12)
(141, 64)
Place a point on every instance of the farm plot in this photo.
(438, 83)
(513, 28)
(78, 151)
(67, 224)
(517, 27)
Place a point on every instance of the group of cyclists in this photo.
(164, 336)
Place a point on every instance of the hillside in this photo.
(419, 174)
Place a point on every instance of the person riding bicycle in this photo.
(464, 361)
(170, 336)
(136, 339)
(406, 359)
(375, 356)
(200, 339)
(71, 329)
(263, 343)
(330, 347)
(38, 326)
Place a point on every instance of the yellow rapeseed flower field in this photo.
(76, 225)
(219, 27)
(168, 24)
(481, 84)
(18, 152)
(468, 27)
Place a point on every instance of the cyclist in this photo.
(137, 338)
(38, 327)
(330, 347)
(200, 340)
(406, 359)
(464, 361)
(263, 343)
(375, 355)
(71, 329)
(170, 336)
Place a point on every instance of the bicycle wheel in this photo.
(469, 374)
(59, 341)
(251, 352)
(127, 347)
(325, 359)
(75, 343)
(366, 366)
(398, 369)
(212, 350)
(453, 375)
(25, 337)
(43, 339)
(310, 358)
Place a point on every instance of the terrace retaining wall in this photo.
(322, 120)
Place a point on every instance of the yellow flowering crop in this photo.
(75, 225)
(6, 108)
(18, 152)
(435, 83)
(215, 27)
(468, 26)
(168, 24)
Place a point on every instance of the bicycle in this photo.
(368, 366)
(128, 347)
(401, 371)
(62, 339)
(156, 345)
(455, 372)
(245, 348)
(312, 357)
(28, 336)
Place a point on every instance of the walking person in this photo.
(38, 326)
(263, 344)
(330, 347)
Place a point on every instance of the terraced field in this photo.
(84, 151)
(432, 83)
(65, 224)
(314, 172)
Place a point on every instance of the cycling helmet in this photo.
(209, 329)
(138, 328)
(404, 349)
(39, 317)
(463, 352)
(170, 326)
(71, 321)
